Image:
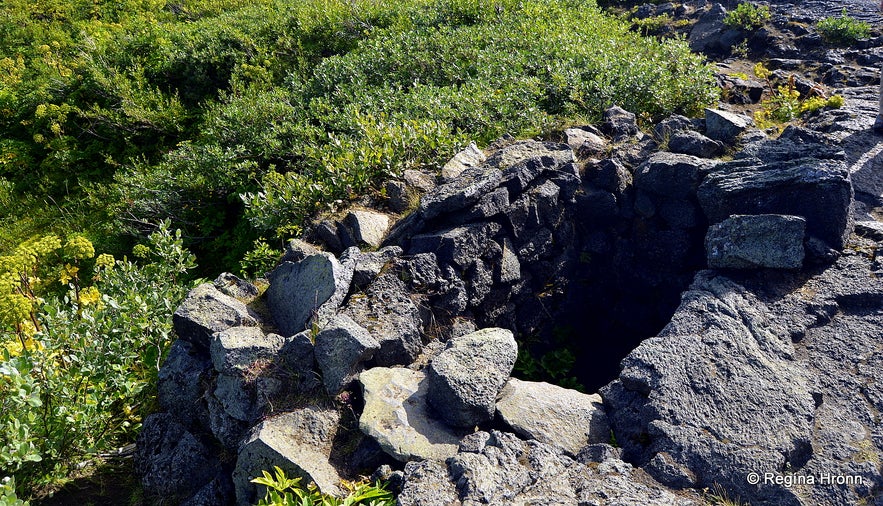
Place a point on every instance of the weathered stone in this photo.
(748, 242)
(598, 452)
(710, 35)
(236, 350)
(466, 377)
(610, 175)
(397, 195)
(227, 429)
(421, 271)
(690, 142)
(562, 418)
(725, 126)
(545, 155)
(597, 207)
(327, 231)
(460, 193)
(489, 205)
(369, 264)
(218, 491)
(619, 123)
(818, 190)
(179, 385)
(369, 227)
(720, 365)
(585, 141)
(670, 126)
(523, 216)
(205, 311)
(469, 157)
(245, 398)
(397, 417)
(419, 180)
(236, 287)
(297, 359)
(387, 312)
(510, 471)
(428, 483)
(671, 175)
(172, 463)
(297, 250)
(312, 289)
(458, 245)
(509, 268)
(342, 346)
(299, 443)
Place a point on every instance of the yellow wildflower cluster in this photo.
(105, 261)
(89, 296)
(79, 248)
(68, 274)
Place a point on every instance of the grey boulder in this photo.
(299, 442)
(465, 378)
(310, 290)
(207, 310)
(756, 241)
(725, 126)
(563, 418)
(342, 346)
(397, 417)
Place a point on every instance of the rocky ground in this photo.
(392, 348)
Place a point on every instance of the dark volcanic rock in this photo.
(748, 242)
(466, 377)
(818, 190)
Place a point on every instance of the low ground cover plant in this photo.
(748, 16)
(843, 30)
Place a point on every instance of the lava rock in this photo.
(205, 311)
(691, 142)
(368, 227)
(179, 384)
(342, 346)
(298, 442)
(369, 264)
(759, 241)
(297, 250)
(671, 175)
(460, 193)
(172, 463)
(458, 245)
(387, 312)
(585, 141)
(235, 350)
(236, 287)
(427, 483)
(468, 158)
(619, 123)
(312, 289)
(725, 126)
(466, 377)
(550, 414)
(818, 190)
(396, 415)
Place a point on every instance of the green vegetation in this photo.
(284, 491)
(844, 30)
(81, 341)
(784, 104)
(240, 120)
(747, 16)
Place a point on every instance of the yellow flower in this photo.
(761, 71)
(68, 272)
(105, 260)
(79, 247)
(89, 295)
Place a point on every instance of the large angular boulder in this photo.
(725, 126)
(818, 190)
(683, 400)
(172, 462)
(458, 245)
(671, 175)
(207, 310)
(396, 415)
(466, 377)
(771, 241)
(310, 290)
(342, 347)
(550, 414)
(460, 193)
(369, 227)
(299, 442)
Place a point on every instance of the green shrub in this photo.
(284, 491)
(843, 30)
(747, 16)
(81, 341)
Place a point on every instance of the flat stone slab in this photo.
(771, 241)
(396, 416)
(550, 414)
